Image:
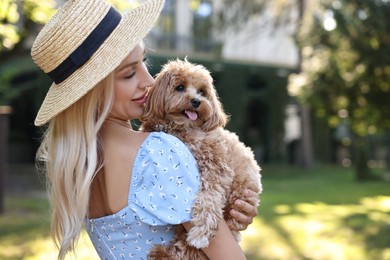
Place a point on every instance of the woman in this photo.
(100, 171)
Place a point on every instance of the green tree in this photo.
(345, 48)
(18, 19)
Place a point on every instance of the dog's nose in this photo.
(195, 102)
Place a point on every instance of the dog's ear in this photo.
(156, 97)
(219, 118)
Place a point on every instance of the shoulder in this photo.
(164, 152)
(165, 181)
(162, 140)
(164, 137)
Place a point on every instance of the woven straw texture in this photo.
(68, 29)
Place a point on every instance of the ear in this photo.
(219, 118)
(156, 97)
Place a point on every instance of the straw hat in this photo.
(83, 42)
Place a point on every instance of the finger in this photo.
(242, 219)
(253, 201)
(247, 208)
(250, 193)
(251, 197)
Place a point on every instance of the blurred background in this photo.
(307, 86)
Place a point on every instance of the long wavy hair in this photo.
(70, 155)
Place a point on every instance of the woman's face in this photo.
(131, 80)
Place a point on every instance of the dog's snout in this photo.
(195, 102)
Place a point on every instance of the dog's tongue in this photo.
(191, 115)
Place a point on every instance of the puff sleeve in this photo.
(165, 181)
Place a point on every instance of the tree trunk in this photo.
(4, 127)
(307, 142)
(363, 173)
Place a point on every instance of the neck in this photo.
(119, 122)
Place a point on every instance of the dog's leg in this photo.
(205, 219)
(207, 211)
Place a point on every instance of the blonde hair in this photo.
(71, 156)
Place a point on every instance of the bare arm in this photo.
(223, 246)
(247, 209)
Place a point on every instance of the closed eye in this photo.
(130, 75)
(180, 88)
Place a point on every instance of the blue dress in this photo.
(164, 182)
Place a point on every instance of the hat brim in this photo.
(133, 27)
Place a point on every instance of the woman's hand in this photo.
(247, 209)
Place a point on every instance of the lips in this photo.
(140, 100)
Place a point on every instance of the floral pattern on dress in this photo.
(165, 179)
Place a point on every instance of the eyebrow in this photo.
(130, 64)
(127, 66)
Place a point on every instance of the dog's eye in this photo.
(180, 88)
(201, 92)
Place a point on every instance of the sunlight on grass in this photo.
(24, 232)
(261, 240)
(381, 203)
(44, 249)
(321, 231)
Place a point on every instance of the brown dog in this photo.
(184, 103)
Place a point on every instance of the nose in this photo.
(147, 79)
(195, 102)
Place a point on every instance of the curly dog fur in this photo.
(184, 103)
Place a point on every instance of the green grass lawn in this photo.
(322, 213)
(24, 232)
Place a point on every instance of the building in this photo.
(250, 67)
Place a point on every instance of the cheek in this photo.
(178, 99)
(118, 97)
(118, 88)
(122, 90)
(207, 106)
(121, 96)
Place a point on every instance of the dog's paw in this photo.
(196, 240)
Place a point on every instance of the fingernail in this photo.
(238, 202)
